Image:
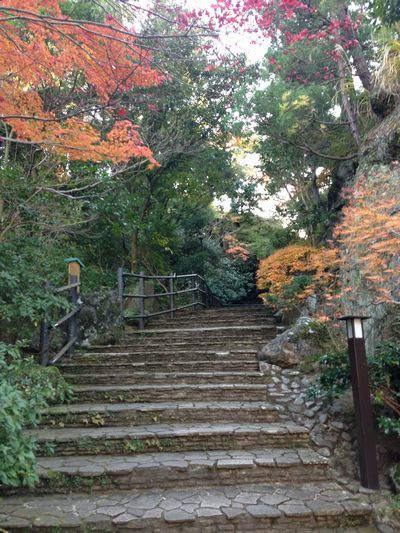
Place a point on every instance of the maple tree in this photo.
(62, 80)
(295, 272)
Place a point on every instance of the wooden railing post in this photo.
(44, 340)
(73, 322)
(193, 287)
(207, 295)
(121, 287)
(142, 291)
(171, 295)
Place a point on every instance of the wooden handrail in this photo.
(160, 294)
(67, 317)
(201, 294)
(66, 287)
(70, 320)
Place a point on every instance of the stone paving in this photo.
(256, 507)
(170, 412)
(207, 460)
(167, 377)
(179, 391)
(168, 470)
(67, 441)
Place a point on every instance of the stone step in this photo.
(167, 347)
(318, 507)
(163, 345)
(170, 392)
(228, 311)
(168, 437)
(194, 340)
(168, 470)
(78, 365)
(129, 414)
(130, 354)
(216, 322)
(163, 378)
(204, 331)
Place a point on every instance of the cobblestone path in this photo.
(177, 429)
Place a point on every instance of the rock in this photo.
(100, 318)
(292, 346)
(323, 418)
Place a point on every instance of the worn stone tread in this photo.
(77, 363)
(97, 465)
(159, 406)
(312, 507)
(129, 351)
(202, 329)
(128, 413)
(172, 469)
(171, 386)
(166, 377)
(165, 431)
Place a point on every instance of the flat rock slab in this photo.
(205, 329)
(159, 406)
(133, 377)
(168, 437)
(164, 431)
(244, 508)
(131, 414)
(175, 469)
(171, 391)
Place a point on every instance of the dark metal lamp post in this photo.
(362, 401)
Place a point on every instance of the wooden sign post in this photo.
(74, 270)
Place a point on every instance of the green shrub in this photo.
(384, 378)
(334, 377)
(25, 264)
(25, 389)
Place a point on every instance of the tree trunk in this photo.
(380, 145)
(344, 93)
(135, 250)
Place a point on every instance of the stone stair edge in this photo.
(255, 507)
(153, 406)
(166, 430)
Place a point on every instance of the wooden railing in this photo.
(195, 287)
(69, 321)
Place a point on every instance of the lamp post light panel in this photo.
(355, 328)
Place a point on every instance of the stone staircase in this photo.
(177, 430)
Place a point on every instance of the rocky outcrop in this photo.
(291, 347)
(100, 317)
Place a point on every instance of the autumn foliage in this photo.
(235, 249)
(291, 274)
(62, 79)
(369, 235)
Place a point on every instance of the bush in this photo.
(229, 281)
(291, 274)
(25, 389)
(25, 264)
(384, 377)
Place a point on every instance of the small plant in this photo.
(97, 420)
(48, 448)
(134, 445)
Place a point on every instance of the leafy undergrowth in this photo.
(384, 377)
(25, 389)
